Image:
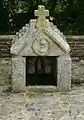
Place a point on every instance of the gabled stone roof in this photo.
(28, 32)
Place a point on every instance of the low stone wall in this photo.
(77, 46)
(77, 53)
(5, 73)
(77, 71)
(5, 44)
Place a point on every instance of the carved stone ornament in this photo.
(41, 46)
(41, 15)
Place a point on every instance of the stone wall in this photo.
(78, 71)
(77, 54)
(5, 62)
(77, 46)
(5, 71)
(5, 44)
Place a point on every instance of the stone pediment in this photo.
(39, 37)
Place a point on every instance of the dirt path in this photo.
(43, 105)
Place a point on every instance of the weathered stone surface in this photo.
(41, 13)
(78, 71)
(40, 38)
(18, 73)
(5, 71)
(45, 106)
(28, 44)
(5, 74)
(64, 73)
(5, 43)
(76, 44)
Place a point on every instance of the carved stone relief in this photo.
(41, 46)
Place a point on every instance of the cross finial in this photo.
(41, 13)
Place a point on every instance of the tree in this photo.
(68, 15)
(3, 16)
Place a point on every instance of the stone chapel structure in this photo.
(40, 52)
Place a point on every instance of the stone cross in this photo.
(41, 13)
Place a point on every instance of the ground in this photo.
(43, 104)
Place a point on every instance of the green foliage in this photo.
(68, 15)
(3, 16)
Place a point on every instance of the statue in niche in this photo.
(30, 65)
(39, 65)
